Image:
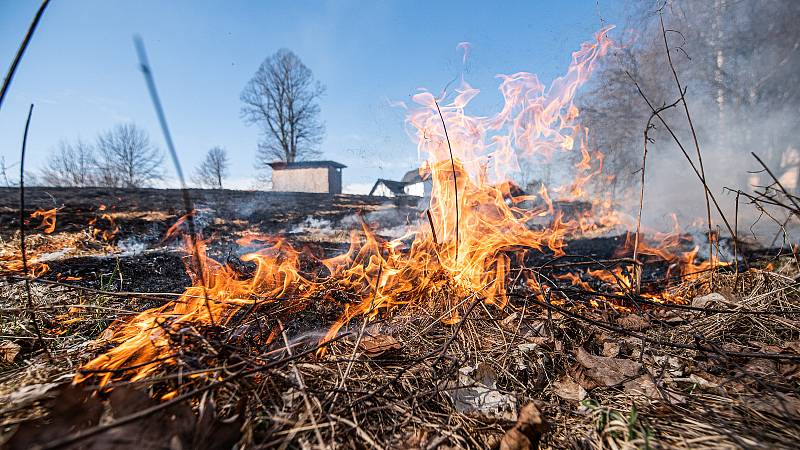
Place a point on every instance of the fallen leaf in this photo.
(475, 392)
(633, 322)
(76, 409)
(72, 409)
(644, 385)
(211, 432)
(527, 432)
(8, 351)
(767, 348)
(29, 394)
(375, 346)
(761, 367)
(707, 301)
(607, 371)
(509, 323)
(611, 349)
(569, 389)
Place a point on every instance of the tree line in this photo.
(282, 99)
(121, 157)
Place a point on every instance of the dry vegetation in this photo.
(720, 371)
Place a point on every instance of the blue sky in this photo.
(81, 72)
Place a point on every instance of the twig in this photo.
(777, 181)
(21, 50)
(685, 153)
(433, 229)
(647, 139)
(696, 144)
(736, 240)
(187, 201)
(453, 166)
(31, 309)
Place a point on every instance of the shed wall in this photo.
(301, 180)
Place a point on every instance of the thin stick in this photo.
(187, 201)
(31, 309)
(696, 144)
(736, 240)
(647, 139)
(453, 165)
(21, 51)
(685, 153)
(433, 229)
(775, 179)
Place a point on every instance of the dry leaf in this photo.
(707, 301)
(175, 426)
(374, 346)
(29, 394)
(475, 392)
(761, 367)
(8, 351)
(527, 432)
(569, 389)
(510, 322)
(72, 410)
(611, 349)
(644, 385)
(607, 371)
(633, 322)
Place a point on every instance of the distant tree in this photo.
(283, 99)
(71, 165)
(125, 158)
(213, 169)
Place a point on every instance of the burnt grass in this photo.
(158, 265)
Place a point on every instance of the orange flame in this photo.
(477, 222)
(106, 232)
(48, 224)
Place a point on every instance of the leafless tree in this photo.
(126, 158)
(213, 169)
(283, 99)
(70, 164)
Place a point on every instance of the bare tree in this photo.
(125, 158)
(70, 164)
(213, 169)
(282, 98)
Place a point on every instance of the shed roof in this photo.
(281, 165)
(396, 187)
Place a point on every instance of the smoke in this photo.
(740, 67)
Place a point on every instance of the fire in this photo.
(11, 257)
(103, 226)
(477, 225)
(48, 224)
